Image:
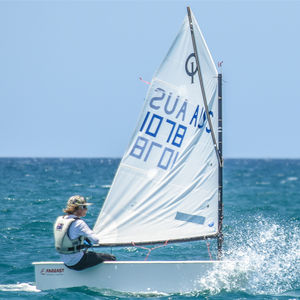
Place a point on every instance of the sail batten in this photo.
(166, 186)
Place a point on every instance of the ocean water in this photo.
(261, 228)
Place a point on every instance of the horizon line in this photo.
(119, 157)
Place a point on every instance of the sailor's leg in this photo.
(90, 259)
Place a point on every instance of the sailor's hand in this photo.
(87, 243)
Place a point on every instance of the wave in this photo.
(106, 186)
(30, 226)
(19, 287)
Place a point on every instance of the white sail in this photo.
(166, 187)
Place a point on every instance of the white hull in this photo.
(127, 276)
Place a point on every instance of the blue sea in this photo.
(261, 228)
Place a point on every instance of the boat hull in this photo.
(126, 276)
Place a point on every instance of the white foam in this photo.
(289, 179)
(116, 294)
(106, 186)
(292, 178)
(267, 256)
(19, 287)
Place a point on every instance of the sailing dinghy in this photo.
(168, 187)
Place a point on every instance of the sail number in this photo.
(174, 134)
(154, 124)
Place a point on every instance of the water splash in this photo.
(267, 256)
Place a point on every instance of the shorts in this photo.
(90, 259)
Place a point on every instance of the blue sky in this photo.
(69, 73)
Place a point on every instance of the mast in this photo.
(220, 138)
(217, 145)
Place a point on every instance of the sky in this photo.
(69, 73)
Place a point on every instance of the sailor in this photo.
(72, 237)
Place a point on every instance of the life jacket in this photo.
(63, 243)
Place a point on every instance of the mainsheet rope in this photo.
(149, 249)
(164, 245)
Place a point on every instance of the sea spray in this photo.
(262, 258)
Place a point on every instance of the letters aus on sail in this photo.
(166, 187)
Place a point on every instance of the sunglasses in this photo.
(83, 206)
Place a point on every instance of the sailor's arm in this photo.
(86, 231)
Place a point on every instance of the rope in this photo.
(147, 82)
(149, 250)
(207, 244)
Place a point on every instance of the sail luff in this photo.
(202, 87)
